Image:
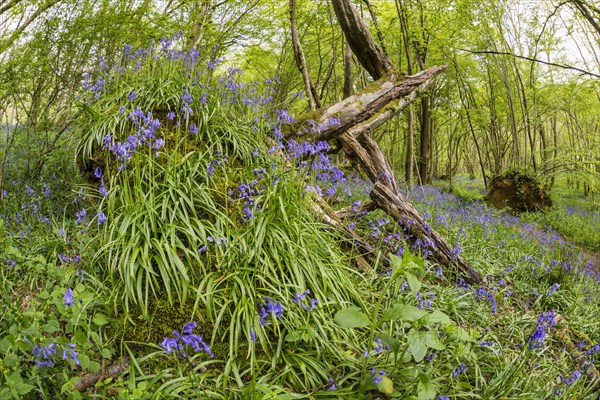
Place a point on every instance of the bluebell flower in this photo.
(68, 298)
(170, 115)
(332, 386)
(187, 339)
(270, 307)
(70, 353)
(80, 273)
(81, 214)
(377, 375)
(101, 217)
(131, 96)
(458, 370)
(193, 129)
(553, 289)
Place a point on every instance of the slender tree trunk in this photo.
(311, 93)
(348, 82)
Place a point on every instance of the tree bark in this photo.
(357, 116)
(311, 93)
(366, 50)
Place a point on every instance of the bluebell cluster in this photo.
(270, 307)
(545, 321)
(145, 136)
(184, 341)
(459, 370)
(302, 298)
(377, 374)
(46, 356)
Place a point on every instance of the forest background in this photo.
(167, 232)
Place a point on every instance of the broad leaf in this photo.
(403, 312)
(351, 317)
(417, 345)
(439, 317)
(413, 282)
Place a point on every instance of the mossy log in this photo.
(359, 116)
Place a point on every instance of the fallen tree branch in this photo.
(401, 210)
(112, 371)
(368, 105)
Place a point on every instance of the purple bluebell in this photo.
(68, 298)
(377, 374)
(101, 217)
(553, 289)
(270, 307)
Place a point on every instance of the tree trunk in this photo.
(425, 141)
(360, 114)
(311, 93)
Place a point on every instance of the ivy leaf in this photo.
(351, 317)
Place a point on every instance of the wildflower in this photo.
(101, 217)
(553, 289)
(186, 97)
(131, 96)
(299, 299)
(80, 273)
(438, 272)
(458, 370)
(70, 353)
(170, 115)
(186, 339)
(333, 385)
(193, 129)
(68, 297)
(377, 375)
(545, 320)
(270, 307)
(81, 214)
(11, 263)
(202, 249)
(44, 355)
(574, 376)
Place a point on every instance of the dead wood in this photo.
(91, 379)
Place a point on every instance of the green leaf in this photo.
(106, 353)
(385, 385)
(390, 341)
(51, 326)
(396, 264)
(23, 388)
(417, 345)
(438, 317)
(100, 319)
(432, 340)
(413, 282)
(403, 312)
(11, 360)
(351, 317)
(426, 390)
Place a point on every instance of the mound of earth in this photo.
(518, 192)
